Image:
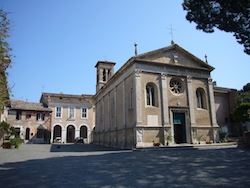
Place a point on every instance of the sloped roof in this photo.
(201, 64)
(143, 58)
(23, 105)
(68, 98)
(223, 90)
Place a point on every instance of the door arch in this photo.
(70, 134)
(57, 132)
(84, 131)
(27, 133)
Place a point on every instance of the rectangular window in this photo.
(58, 112)
(71, 113)
(40, 117)
(18, 115)
(84, 113)
(28, 116)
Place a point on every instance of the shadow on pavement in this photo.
(162, 168)
(79, 148)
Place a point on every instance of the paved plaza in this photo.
(94, 166)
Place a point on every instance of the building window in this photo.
(151, 95)
(84, 113)
(104, 76)
(40, 117)
(58, 112)
(28, 116)
(200, 96)
(71, 113)
(17, 132)
(18, 115)
(175, 86)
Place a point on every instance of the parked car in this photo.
(79, 140)
(57, 140)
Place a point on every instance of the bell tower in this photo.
(104, 71)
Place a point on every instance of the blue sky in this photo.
(57, 43)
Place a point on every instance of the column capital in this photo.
(163, 76)
(210, 80)
(138, 72)
(189, 79)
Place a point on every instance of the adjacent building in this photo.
(72, 116)
(30, 120)
(225, 102)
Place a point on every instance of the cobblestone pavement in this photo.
(95, 166)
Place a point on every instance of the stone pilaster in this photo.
(64, 135)
(164, 100)
(138, 132)
(115, 114)
(124, 112)
(108, 120)
(164, 104)
(137, 85)
(192, 107)
(212, 110)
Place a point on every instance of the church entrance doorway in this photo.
(179, 127)
(70, 134)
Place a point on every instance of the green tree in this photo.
(226, 15)
(6, 130)
(5, 58)
(242, 109)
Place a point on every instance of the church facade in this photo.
(162, 96)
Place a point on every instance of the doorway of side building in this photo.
(179, 127)
(27, 134)
(70, 134)
(83, 132)
(57, 133)
(17, 132)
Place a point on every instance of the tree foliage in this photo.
(243, 105)
(6, 130)
(226, 15)
(5, 58)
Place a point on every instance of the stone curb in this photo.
(189, 146)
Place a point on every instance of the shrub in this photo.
(16, 142)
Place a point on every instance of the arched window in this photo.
(200, 96)
(151, 95)
(104, 75)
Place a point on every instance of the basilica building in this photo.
(162, 96)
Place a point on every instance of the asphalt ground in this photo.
(73, 165)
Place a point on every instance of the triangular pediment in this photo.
(174, 55)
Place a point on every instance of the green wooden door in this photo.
(179, 128)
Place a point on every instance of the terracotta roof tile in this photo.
(22, 105)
